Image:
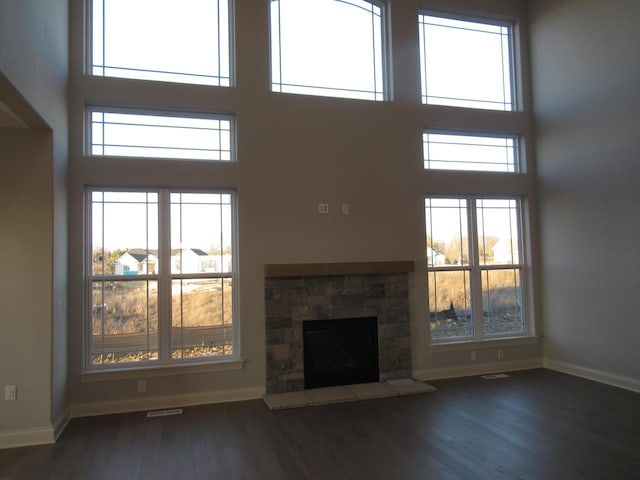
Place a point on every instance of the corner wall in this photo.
(585, 81)
(33, 322)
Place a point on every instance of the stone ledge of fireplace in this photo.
(346, 393)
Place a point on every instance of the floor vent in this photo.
(495, 375)
(164, 413)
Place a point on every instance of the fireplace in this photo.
(340, 351)
(297, 295)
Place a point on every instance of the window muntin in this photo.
(466, 64)
(202, 307)
(122, 133)
(474, 251)
(129, 281)
(329, 48)
(163, 40)
(445, 151)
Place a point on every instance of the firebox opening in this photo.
(340, 352)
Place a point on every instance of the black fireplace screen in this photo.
(340, 351)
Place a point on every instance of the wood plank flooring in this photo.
(536, 424)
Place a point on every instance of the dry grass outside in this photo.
(151, 355)
(130, 307)
(450, 303)
(125, 320)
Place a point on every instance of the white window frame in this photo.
(164, 278)
(486, 140)
(380, 92)
(220, 80)
(510, 85)
(92, 110)
(475, 270)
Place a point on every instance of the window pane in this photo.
(124, 321)
(165, 40)
(124, 233)
(502, 302)
(465, 64)
(498, 233)
(465, 152)
(201, 318)
(160, 136)
(447, 231)
(201, 238)
(327, 47)
(450, 304)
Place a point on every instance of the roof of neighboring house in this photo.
(197, 251)
(140, 254)
(140, 257)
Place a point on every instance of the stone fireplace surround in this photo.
(295, 293)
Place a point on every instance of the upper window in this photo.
(466, 64)
(475, 267)
(470, 152)
(123, 133)
(331, 48)
(166, 40)
(161, 275)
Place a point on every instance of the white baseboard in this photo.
(27, 437)
(480, 369)
(60, 423)
(163, 402)
(597, 375)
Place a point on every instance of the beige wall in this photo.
(25, 281)
(33, 84)
(586, 77)
(293, 152)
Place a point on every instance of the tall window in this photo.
(475, 267)
(466, 64)
(328, 47)
(186, 41)
(161, 276)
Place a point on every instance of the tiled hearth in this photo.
(298, 293)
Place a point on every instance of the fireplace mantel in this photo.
(278, 270)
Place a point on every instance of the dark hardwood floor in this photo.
(537, 424)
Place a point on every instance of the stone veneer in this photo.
(292, 300)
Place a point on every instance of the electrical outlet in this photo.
(142, 386)
(500, 353)
(474, 355)
(10, 392)
(345, 209)
(323, 208)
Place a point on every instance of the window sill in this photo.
(134, 373)
(451, 346)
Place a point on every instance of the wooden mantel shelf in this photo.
(329, 269)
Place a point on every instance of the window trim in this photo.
(165, 361)
(513, 56)
(87, 67)
(96, 108)
(519, 166)
(475, 270)
(386, 73)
